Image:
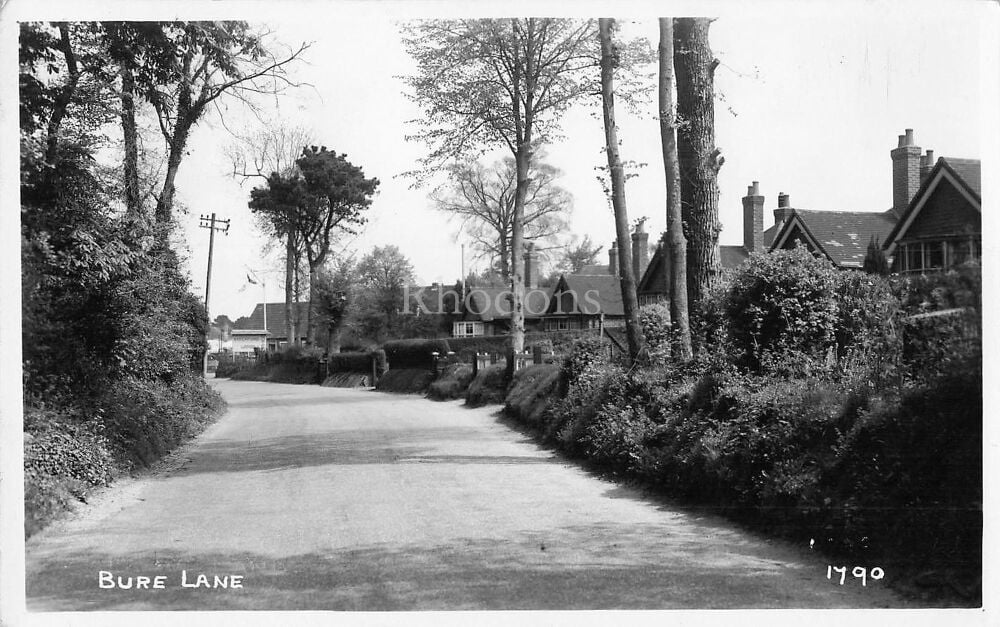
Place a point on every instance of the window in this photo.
(467, 329)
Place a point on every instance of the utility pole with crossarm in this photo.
(213, 224)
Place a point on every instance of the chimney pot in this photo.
(909, 137)
(613, 259)
(783, 199)
(930, 157)
(902, 141)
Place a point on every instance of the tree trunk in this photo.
(699, 158)
(63, 98)
(290, 261)
(332, 339)
(504, 257)
(522, 163)
(178, 142)
(133, 202)
(676, 244)
(311, 310)
(633, 328)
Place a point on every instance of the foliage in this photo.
(489, 387)
(875, 260)
(405, 380)
(483, 200)
(350, 362)
(452, 383)
(578, 255)
(531, 391)
(414, 353)
(383, 276)
(586, 354)
(782, 302)
(657, 329)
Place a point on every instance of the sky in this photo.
(809, 102)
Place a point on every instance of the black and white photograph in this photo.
(385, 312)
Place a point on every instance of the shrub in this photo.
(657, 329)
(586, 354)
(489, 386)
(531, 391)
(867, 330)
(452, 383)
(784, 301)
(414, 353)
(405, 380)
(350, 362)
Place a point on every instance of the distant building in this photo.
(246, 328)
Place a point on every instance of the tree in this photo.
(483, 199)
(182, 68)
(490, 82)
(676, 243)
(578, 255)
(335, 295)
(382, 276)
(699, 159)
(326, 195)
(630, 300)
(273, 150)
(875, 259)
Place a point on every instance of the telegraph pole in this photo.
(213, 224)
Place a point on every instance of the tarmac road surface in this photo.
(303, 497)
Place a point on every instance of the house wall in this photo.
(946, 212)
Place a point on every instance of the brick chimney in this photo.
(926, 164)
(784, 210)
(753, 219)
(905, 172)
(640, 249)
(613, 259)
(530, 266)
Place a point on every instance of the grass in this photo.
(405, 380)
(530, 392)
(452, 383)
(489, 387)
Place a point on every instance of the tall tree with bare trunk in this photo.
(676, 243)
(498, 82)
(697, 153)
(630, 301)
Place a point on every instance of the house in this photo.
(652, 287)
(588, 299)
(249, 331)
(249, 341)
(935, 221)
(941, 226)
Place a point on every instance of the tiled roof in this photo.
(605, 289)
(490, 303)
(844, 235)
(595, 268)
(275, 319)
(969, 170)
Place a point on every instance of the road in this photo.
(332, 499)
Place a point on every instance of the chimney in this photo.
(530, 266)
(613, 259)
(640, 250)
(926, 164)
(753, 219)
(905, 172)
(784, 210)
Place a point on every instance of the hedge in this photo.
(350, 362)
(415, 353)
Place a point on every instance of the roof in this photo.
(964, 174)
(595, 268)
(969, 170)
(842, 235)
(490, 303)
(275, 319)
(249, 332)
(600, 291)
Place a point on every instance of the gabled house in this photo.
(840, 236)
(251, 331)
(942, 225)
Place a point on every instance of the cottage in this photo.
(252, 331)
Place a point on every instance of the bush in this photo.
(531, 391)
(586, 354)
(452, 383)
(780, 302)
(489, 386)
(657, 329)
(350, 362)
(405, 380)
(414, 353)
